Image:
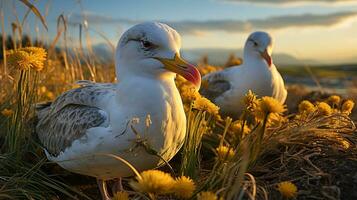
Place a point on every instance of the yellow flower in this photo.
(347, 107)
(271, 105)
(205, 105)
(276, 120)
(19, 59)
(122, 195)
(184, 187)
(26, 58)
(207, 196)
(250, 100)
(153, 181)
(7, 112)
(236, 128)
(287, 189)
(42, 89)
(50, 95)
(268, 105)
(188, 94)
(334, 100)
(324, 108)
(224, 153)
(306, 106)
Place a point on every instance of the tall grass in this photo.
(198, 123)
(24, 171)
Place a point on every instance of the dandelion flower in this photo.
(334, 100)
(271, 105)
(324, 108)
(224, 153)
(7, 112)
(154, 181)
(287, 189)
(268, 105)
(184, 187)
(26, 58)
(122, 195)
(306, 106)
(347, 107)
(19, 59)
(207, 196)
(250, 100)
(206, 105)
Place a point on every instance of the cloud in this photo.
(232, 26)
(295, 2)
(279, 22)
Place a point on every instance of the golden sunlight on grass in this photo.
(309, 139)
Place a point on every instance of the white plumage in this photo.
(96, 119)
(226, 88)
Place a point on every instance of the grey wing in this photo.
(89, 94)
(70, 116)
(215, 84)
(57, 131)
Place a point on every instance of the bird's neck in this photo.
(254, 60)
(147, 87)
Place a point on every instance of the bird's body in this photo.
(112, 133)
(84, 125)
(226, 88)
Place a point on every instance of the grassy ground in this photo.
(313, 148)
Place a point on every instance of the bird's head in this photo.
(260, 44)
(153, 49)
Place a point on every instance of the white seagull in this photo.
(226, 88)
(84, 124)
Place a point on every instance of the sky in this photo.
(321, 30)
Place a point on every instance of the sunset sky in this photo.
(324, 30)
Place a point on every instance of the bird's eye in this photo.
(255, 43)
(147, 44)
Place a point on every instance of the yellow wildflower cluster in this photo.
(207, 196)
(7, 112)
(206, 69)
(190, 94)
(324, 108)
(27, 58)
(287, 189)
(158, 182)
(204, 104)
(224, 153)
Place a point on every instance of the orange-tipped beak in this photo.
(267, 57)
(183, 68)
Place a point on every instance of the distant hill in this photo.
(216, 56)
(220, 56)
